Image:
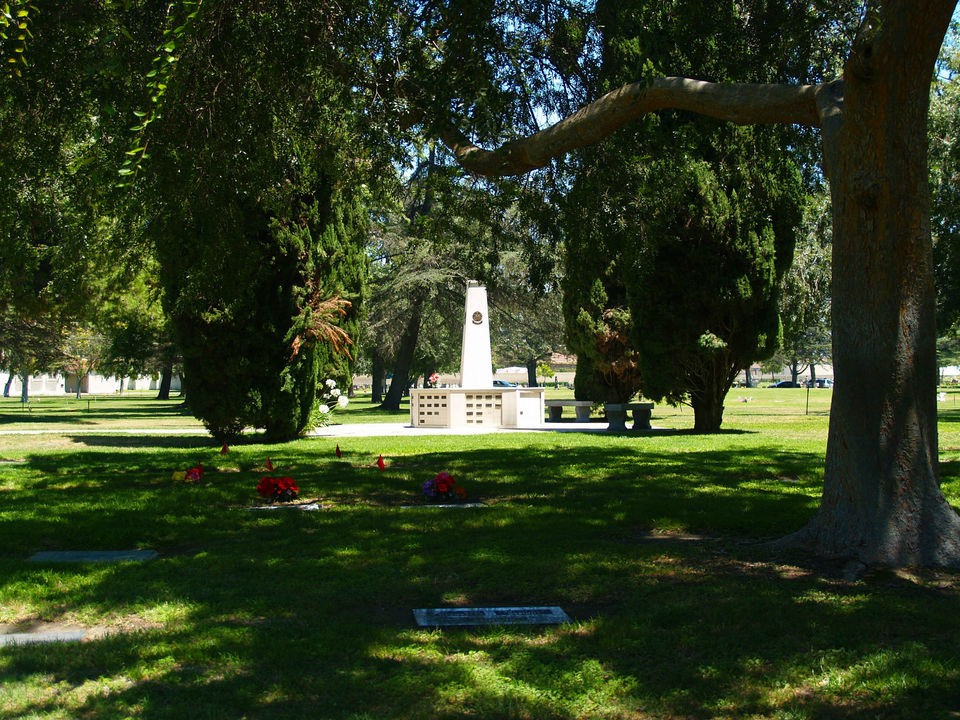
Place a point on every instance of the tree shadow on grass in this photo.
(147, 439)
(949, 469)
(292, 614)
(557, 426)
(760, 493)
(330, 635)
(81, 416)
(948, 416)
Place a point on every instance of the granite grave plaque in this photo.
(442, 505)
(9, 639)
(92, 556)
(459, 617)
(306, 507)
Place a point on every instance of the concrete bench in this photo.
(582, 408)
(617, 415)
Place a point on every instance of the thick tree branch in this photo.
(741, 104)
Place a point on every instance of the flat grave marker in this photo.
(443, 505)
(10, 639)
(461, 617)
(94, 556)
(307, 507)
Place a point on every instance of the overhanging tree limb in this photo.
(882, 503)
(739, 103)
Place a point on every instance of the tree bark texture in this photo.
(377, 374)
(404, 361)
(707, 412)
(741, 104)
(709, 382)
(881, 502)
(532, 372)
(166, 380)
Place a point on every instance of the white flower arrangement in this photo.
(331, 399)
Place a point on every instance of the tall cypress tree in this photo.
(261, 226)
(697, 218)
(705, 279)
(597, 319)
(246, 286)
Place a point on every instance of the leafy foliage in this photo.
(705, 285)
(944, 134)
(15, 35)
(444, 231)
(691, 221)
(805, 299)
(140, 341)
(260, 222)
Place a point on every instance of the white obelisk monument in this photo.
(476, 405)
(476, 359)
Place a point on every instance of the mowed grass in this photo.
(652, 543)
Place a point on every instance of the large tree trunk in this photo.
(710, 382)
(404, 361)
(707, 411)
(882, 502)
(166, 380)
(532, 372)
(795, 371)
(377, 374)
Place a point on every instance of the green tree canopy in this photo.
(945, 181)
(805, 300)
(693, 220)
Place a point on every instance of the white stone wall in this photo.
(49, 385)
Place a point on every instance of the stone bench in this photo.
(617, 415)
(582, 408)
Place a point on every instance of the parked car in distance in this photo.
(503, 383)
(785, 384)
(821, 383)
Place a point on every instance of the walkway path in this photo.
(332, 431)
(406, 430)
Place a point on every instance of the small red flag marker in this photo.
(338, 452)
(381, 464)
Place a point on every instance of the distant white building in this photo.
(38, 385)
(92, 384)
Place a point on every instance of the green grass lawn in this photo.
(652, 543)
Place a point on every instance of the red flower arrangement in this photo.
(194, 474)
(444, 487)
(278, 489)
